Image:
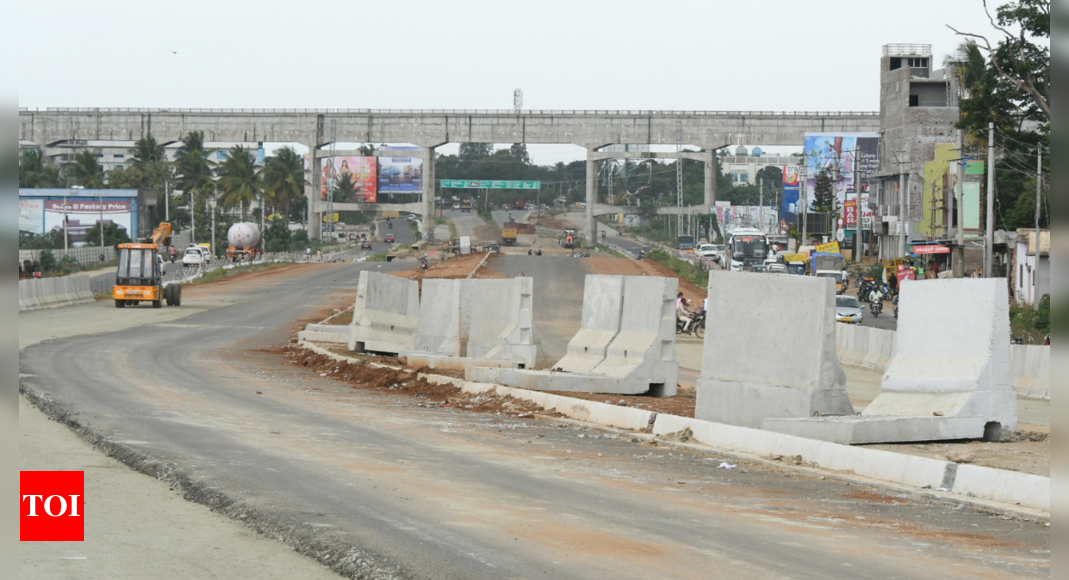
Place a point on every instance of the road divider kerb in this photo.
(39, 293)
(983, 487)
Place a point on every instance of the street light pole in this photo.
(989, 238)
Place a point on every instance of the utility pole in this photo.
(989, 237)
(857, 204)
(1039, 189)
(193, 216)
(214, 252)
(959, 251)
(803, 197)
(101, 201)
(679, 178)
(902, 209)
(761, 204)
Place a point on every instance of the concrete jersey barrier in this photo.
(385, 314)
(625, 345)
(771, 353)
(38, 293)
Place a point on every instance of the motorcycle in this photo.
(865, 288)
(876, 307)
(423, 263)
(389, 225)
(697, 324)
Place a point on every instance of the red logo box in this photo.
(52, 506)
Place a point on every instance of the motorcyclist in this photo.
(682, 313)
(173, 252)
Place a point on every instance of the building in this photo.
(1031, 276)
(116, 154)
(918, 113)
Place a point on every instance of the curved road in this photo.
(397, 490)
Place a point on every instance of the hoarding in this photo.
(32, 216)
(400, 174)
(830, 248)
(850, 213)
(360, 171)
(83, 216)
(845, 156)
(792, 189)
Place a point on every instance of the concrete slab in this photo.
(626, 344)
(385, 315)
(332, 333)
(770, 350)
(950, 377)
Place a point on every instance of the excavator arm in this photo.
(161, 236)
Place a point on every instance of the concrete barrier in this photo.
(332, 333)
(625, 344)
(1030, 366)
(771, 352)
(385, 314)
(475, 322)
(950, 378)
(38, 293)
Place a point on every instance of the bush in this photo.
(48, 261)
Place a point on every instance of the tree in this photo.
(824, 193)
(772, 177)
(968, 65)
(34, 173)
(239, 180)
(194, 169)
(472, 152)
(519, 151)
(85, 171)
(284, 179)
(150, 169)
(277, 236)
(1016, 58)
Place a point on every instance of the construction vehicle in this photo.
(140, 273)
(571, 238)
(508, 234)
(243, 238)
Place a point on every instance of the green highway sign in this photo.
(486, 184)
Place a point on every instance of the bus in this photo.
(747, 247)
(685, 243)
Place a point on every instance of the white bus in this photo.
(747, 247)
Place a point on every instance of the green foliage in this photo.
(695, 274)
(51, 240)
(85, 171)
(354, 218)
(284, 180)
(1030, 323)
(34, 173)
(239, 180)
(48, 261)
(824, 193)
(277, 236)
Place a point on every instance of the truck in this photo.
(520, 204)
(508, 234)
(243, 237)
(571, 238)
(465, 206)
(828, 265)
(139, 277)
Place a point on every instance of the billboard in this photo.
(361, 171)
(84, 215)
(792, 190)
(32, 216)
(400, 174)
(843, 155)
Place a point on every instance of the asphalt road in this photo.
(465, 222)
(441, 493)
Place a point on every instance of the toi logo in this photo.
(52, 506)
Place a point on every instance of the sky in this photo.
(428, 54)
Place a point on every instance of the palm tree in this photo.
(146, 151)
(284, 179)
(192, 164)
(86, 172)
(34, 173)
(239, 180)
(968, 65)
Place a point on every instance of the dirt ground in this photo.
(453, 268)
(644, 268)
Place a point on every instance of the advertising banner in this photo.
(83, 215)
(360, 172)
(32, 216)
(830, 247)
(850, 213)
(931, 249)
(792, 190)
(400, 174)
(845, 156)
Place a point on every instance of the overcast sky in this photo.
(433, 54)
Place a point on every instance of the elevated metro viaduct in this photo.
(429, 129)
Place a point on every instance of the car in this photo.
(365, 245)
(709, 251)
(388, 239)
(194, 256)
(777, 269)
(456, 206)
(848, 310)
(412, 217)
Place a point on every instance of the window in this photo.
(914, 100)
(918, 63)
(896, 63)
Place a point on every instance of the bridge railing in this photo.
(433, 112)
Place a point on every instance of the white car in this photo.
(194, 256)
(709, 251)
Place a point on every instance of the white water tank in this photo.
(243, 234)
